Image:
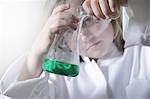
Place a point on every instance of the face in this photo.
(94, 41)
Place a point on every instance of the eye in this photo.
(89, 19)
(88, 22)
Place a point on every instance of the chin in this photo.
(98, 54)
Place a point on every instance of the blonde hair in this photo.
(118, 36)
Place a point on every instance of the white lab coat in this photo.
(124, 76)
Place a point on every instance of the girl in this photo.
(115, 74)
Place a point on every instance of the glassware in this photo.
(61, 59)
(94, 27)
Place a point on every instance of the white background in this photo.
(19, 26)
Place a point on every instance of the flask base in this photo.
(61, 68)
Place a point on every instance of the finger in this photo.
(108, 10)
(113, 5)
(73, 18)
(87, 7)
(71, 24)
(73, 21)
(67, 16)
(59, 26)
(116, 13)
(96, 9)
(61, 8)
(123, 2)
(105, 8)
(62, 25)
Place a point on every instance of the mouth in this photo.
(92, 45)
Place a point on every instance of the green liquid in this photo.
(57, 67)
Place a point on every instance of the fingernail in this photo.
(113, 9)
(107, 17)
(94, 18)
(76, 20)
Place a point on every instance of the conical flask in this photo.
(61, 59)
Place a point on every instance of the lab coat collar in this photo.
(86, 59)
(95, 74)
(113, 55)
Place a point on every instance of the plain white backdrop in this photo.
(19, 26)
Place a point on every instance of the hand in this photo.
(57, 23)
(103, 9)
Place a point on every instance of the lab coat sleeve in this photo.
(28, 89)
(136, 19)
(12, 73)
(136, 23)
(139, 81)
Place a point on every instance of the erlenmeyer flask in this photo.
(61, 59)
